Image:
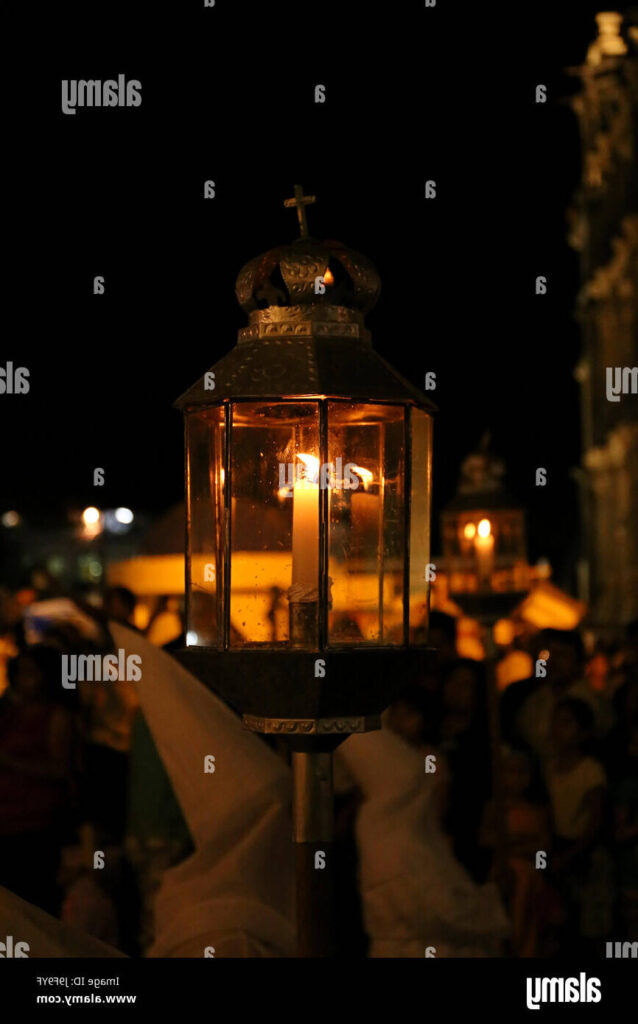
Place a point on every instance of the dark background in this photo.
(228, 95)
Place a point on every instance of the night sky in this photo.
(228, 95)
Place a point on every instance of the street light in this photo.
(308, 478)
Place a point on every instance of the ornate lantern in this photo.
(308, 478)
(485, 560)
(484, 547)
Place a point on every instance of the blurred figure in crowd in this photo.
(465, 743)
(166, 623)
(626, 830)
(406, 718)
(625, 699)
(527, 707)
(440, 637)
(119, 605)
(577, 786)
(37, 742)
(527, 829)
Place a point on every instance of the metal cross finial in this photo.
(301, 201)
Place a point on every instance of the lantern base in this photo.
(312, 726)
(283, 684)
(308, 735)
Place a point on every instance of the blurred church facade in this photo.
(604, 231)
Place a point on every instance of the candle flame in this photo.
(328, 277)
(469, 531)
(309, 471)
(311, 467)
(365, 474)
(484, 528)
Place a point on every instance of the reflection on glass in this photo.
(366, 445)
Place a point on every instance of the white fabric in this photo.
(534, 720)
(59, 611)
(45, 935)
(567, 792)
(235, 892)
(415, 893)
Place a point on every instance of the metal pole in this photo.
(498, 791)
(313, 834)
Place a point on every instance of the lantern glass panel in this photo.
(421, 489)
(205, 518)
(366, 517)
(274, 530)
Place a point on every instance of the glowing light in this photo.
(365, 474)
(93, 522)
(191, 638)
(309, 472)
(503, 632)
(11, 518)
(469, 531)
(311, 467)
(484, 528)
(328, 277)
(91, 516)
(124, 515)
(305, 528)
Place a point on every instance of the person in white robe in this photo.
(234, 896)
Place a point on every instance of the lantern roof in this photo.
(306, 336)
(307, 272)
(481, 481)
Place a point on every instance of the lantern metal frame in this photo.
(357, 675)
(319, 345)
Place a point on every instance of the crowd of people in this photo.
(80, 777)
(541, 798)
(562, 839)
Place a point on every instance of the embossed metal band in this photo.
(312, 726)
(304, 321)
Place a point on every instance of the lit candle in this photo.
(305, 532)
(484, 547)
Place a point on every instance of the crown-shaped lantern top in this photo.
(306, 336)
(481, 481)
(307, 278)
